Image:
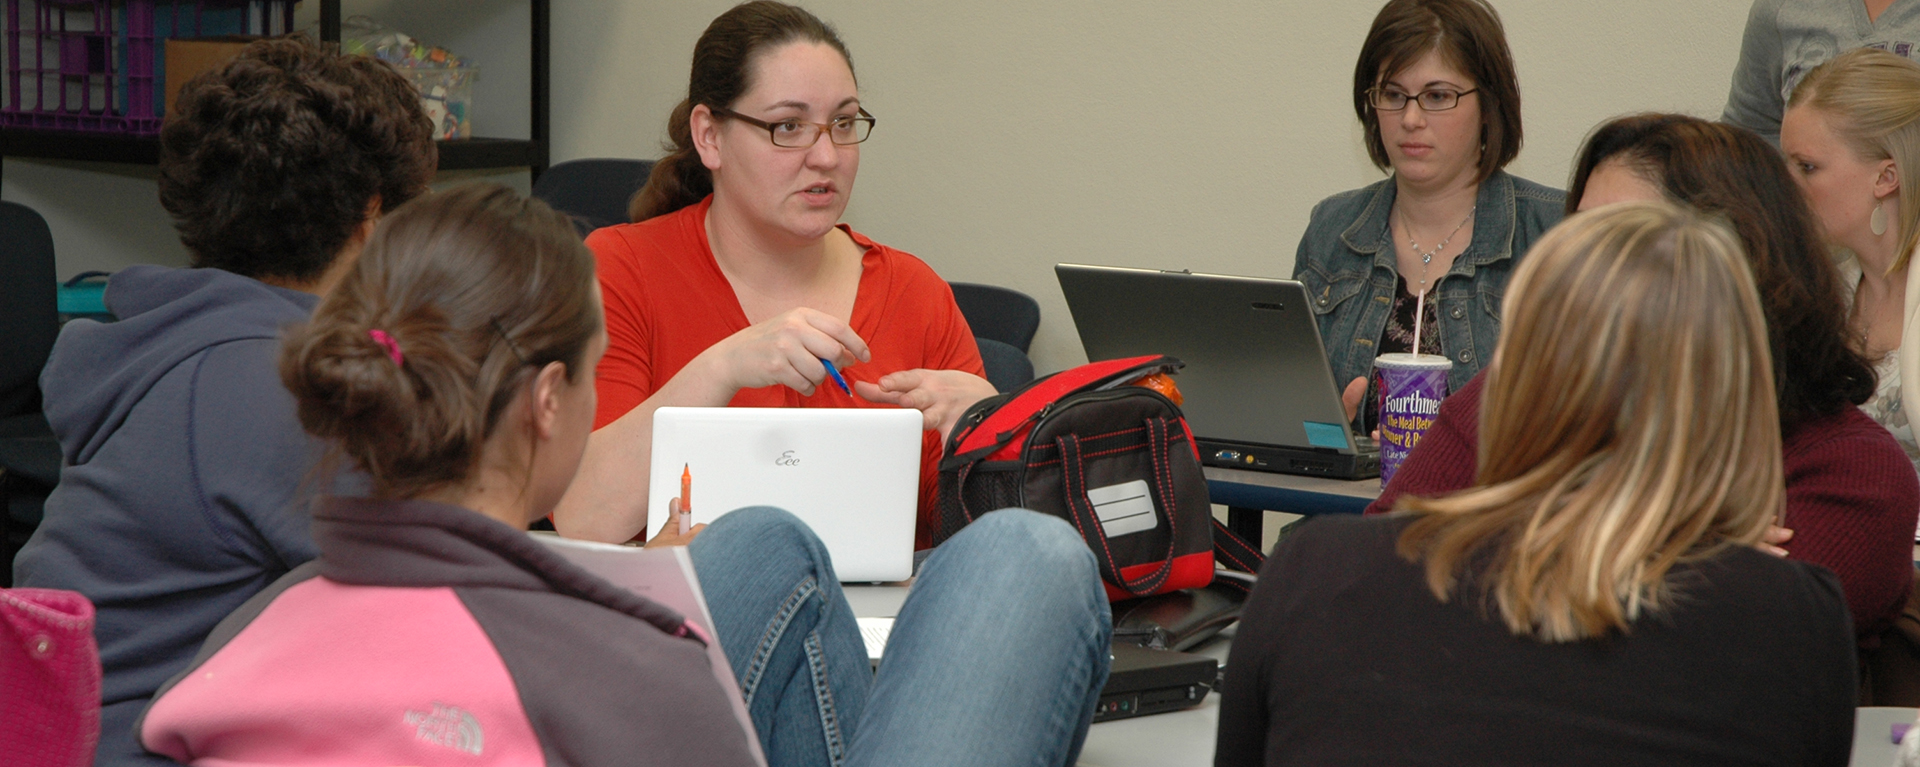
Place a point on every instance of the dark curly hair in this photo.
(1733, 173)
(268, 163)
(722, 66)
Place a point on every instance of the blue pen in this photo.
(835, 375)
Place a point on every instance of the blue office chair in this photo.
(29, 321)
(1007, 367)
(594, 191)
(1002, 314)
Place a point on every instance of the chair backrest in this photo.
(594, 191)
(29, 306)
(1007, 367)
(1002, 314)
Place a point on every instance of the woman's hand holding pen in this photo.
(940, 395)
(786, 350)
(670, 532)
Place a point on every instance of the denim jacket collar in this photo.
(1492, 227)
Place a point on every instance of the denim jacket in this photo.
(1346, 260)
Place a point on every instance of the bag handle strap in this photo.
(1235, 553)
(960, 489)
(998, 423)
(1081, 512)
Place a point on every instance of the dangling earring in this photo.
(1878, 221)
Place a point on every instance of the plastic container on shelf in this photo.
(97, 65)
(445, 80)
(447, 95)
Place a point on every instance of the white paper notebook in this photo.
(874, 632)
(852, 474)
(664, 575)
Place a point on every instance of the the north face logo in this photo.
(447, 726)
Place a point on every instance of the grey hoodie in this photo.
(1786, 40)
(184, 458)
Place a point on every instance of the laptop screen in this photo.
(1255, 370)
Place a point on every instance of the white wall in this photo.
(1016, 134)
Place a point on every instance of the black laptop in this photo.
(1147, 681)
(1259, 392)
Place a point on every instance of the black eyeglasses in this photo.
(1433, 100)
(800, 134)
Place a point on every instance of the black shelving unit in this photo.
(464, 154)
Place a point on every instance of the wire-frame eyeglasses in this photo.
(800, 134)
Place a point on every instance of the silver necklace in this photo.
(1426, 257)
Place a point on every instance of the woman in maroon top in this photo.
(1851, 496)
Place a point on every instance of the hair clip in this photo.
(511, 346)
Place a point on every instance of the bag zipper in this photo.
(1060, 406)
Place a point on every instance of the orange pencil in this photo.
(685, 517)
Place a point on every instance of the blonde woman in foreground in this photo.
(1595, 597)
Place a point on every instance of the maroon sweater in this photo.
(1852, 497)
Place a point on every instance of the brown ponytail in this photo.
(471, 292)
(722, 68)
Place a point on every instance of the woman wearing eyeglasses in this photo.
(737, 283)
(1435, 90)
(733, 286)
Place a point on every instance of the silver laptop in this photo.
(1259, 392)
(853, 475)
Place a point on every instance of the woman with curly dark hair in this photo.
(183, 453)
(1851, 496)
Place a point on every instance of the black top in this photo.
(1344, 657)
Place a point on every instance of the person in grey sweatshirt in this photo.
(183, 453)
(1785, 39)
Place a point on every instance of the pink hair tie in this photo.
(386, 341)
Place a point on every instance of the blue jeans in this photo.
(997, 657)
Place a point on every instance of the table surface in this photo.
(1351, 488)
(1873, 744)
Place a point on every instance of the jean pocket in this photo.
(1489, 304)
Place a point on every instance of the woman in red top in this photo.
(1850, 494)
(739, 278)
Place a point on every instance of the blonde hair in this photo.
(1873, 99)
(1629, 425)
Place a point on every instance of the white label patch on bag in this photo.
(1124, 508)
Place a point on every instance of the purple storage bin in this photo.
(95, 65)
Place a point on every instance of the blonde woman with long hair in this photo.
(1852, 138)
(1596, 597)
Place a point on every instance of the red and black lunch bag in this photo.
(1114, 459)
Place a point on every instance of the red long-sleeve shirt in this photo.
(1852, 497)
(667, 301)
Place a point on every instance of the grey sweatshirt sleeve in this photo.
(1754, 102)
(252, 462)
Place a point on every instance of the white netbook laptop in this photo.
(853, 475)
